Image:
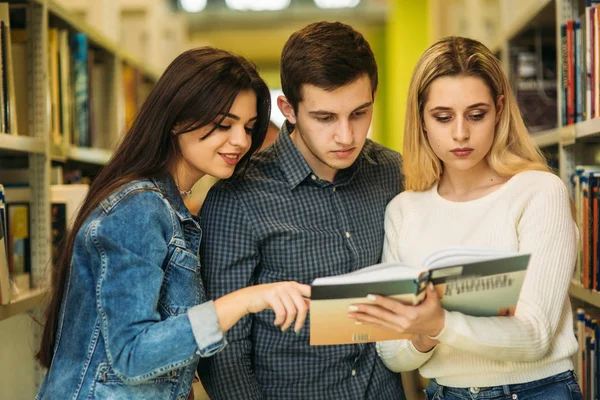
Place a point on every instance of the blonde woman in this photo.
(475, 178)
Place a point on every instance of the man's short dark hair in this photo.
(328, 55)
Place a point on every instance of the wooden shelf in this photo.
(547, 138)
(589, 296)
(27, 301)
(89, 155)
(21, 144)
(98, 39)
(532, 10)
(587, 128)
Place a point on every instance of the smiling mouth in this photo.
(231, 158)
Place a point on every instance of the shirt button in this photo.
(353, 372)
(348, 235)
(515, 397)
(334, 190)
(314, 178)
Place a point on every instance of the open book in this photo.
(479, 282)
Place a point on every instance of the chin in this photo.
(221, 174)
(339, 165)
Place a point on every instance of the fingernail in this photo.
(298, 331)
(352, 308)
(358, 322)
(371, 297)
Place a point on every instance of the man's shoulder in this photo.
(381, 154)
(263, 169)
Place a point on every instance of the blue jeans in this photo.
(558, 387)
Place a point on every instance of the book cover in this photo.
(475, 282)
(79, 52)
(5, 291)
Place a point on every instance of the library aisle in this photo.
(73, 74)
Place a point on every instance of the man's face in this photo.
(331, 126)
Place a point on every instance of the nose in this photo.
(240, 138)
(345, 133)
(460, 131)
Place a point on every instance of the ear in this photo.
(286, 109)
(499, 107)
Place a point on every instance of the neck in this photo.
(464, 182)
(185, 177)
(322, 170)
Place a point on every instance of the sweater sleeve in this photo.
(397, 355)
(547, 231)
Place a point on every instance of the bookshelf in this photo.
(39, 143)
(23, 303)
(536, 33)
(588, 296)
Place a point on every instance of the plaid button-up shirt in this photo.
(281, 222)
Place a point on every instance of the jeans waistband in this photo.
(492, 391)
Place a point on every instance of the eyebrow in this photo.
(233, 116)
(323, 112)
(440, 108)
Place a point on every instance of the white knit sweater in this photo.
(530, 214)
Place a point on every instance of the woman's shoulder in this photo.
(410, 199)
(142, 194)
(537, 181)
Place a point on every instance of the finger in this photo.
(370, 320)
(304, 289)
(290, 308)
(389, 303)
(278, 309)
(375, 311)
(302, 308)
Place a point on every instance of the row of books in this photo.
(15, 224)
(81, 77)
(580, 69)
(585, 185)
(587, 360)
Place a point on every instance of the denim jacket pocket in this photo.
(181, 287)
(108, 385)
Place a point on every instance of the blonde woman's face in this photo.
(459, 119)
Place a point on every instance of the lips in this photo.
(231, 158)
(343, 153)
(462, 151)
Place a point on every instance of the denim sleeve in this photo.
(229, 256)
(131, 245)
(206, 328)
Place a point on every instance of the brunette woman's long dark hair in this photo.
(197, 89)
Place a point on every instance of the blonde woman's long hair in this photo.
(512, 151)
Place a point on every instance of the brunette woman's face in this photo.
(218, 153)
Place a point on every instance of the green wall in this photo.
(406, 38)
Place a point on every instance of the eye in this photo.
(223, 127)
(359, 113)
(249, 130)
(443, 118)
(477, 117)
(327, 118)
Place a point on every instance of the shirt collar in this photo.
(292, 162)
(167, 186)
(295, 167)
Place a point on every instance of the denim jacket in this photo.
(131, 325)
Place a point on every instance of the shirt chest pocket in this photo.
(182, 286)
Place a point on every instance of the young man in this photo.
(310, 205)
